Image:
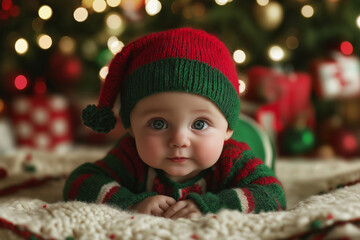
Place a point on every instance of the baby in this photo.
(179, 96)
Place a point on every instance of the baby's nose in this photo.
(180, 139)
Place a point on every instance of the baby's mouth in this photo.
(178, 159)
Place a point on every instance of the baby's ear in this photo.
(228, 134)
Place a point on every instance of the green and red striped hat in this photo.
(184, 59)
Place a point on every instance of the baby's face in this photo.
(179, 133)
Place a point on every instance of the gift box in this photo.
(42, 122)
(337, 76)
(280, 97)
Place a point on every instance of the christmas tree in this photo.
(64, 47)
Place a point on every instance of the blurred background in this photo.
(297, 61)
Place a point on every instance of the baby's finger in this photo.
(182, 213)
(158, 212)
(170, 201)
(172, 210)
(164, 205)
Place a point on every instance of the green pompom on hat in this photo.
(183, 59)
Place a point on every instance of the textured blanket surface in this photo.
(323, 202)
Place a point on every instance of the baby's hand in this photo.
(183, 209)
(154, 205)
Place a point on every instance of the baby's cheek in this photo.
(150, 149)
(209, 152)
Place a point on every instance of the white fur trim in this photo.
(243, 200)
(105, 189)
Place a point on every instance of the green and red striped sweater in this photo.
(237, 181)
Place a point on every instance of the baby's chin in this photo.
(181, 176)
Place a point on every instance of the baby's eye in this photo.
(200, 125)
(158, 124)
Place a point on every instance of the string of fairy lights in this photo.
(115, 25)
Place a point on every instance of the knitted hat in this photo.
(184, 59)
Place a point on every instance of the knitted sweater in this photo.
(238, 180)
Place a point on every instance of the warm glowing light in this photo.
(113, 3)
(221, 2)
(346, 48)
(99, 6)
(153, 7)
(45, 12)
(44, 41)
(276, 53)
(20, 82)
(358, 21)
(307, 11)
(67, 45)
(242, 86)
(239, 56)
(113, 21)
(262, 3)
(80, 14)
(292, 42)
(349, 142)
(115, 45)
(103, 72)
(87, 3)
(21, 46)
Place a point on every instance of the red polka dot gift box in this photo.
(42, 122)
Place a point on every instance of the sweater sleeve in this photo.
(243, 182)
(118, 179)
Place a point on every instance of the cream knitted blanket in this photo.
(323, 201)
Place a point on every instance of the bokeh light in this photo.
(20, 82)
(80, 14)
(6, 5)
(292, 42)
(346, 48)
(239, 56)
(307, 11)
(87, 3)
(358, 21)
(262, 2)
(45, 12)
(103, 72)
(308, 138)
(113, 3)
(153, 7)
(21, 46)
(221, 2)
(114, 44)
(242, 86)
(276, 53)
(44, 41)
(113, 21)
(349, 142)
(15, 11)
(99, 6)
(67, 45)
